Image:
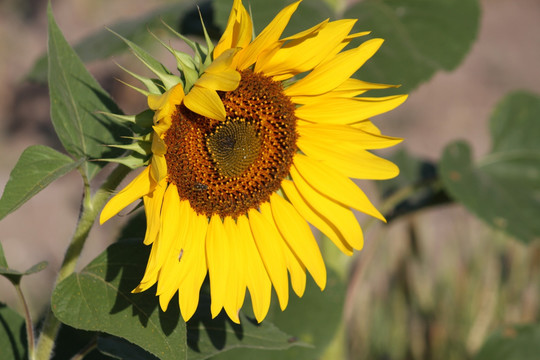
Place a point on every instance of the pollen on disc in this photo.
(229, 167)
(234, 146)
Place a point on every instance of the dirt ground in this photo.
(451, 106)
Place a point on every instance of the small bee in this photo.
(200, 187)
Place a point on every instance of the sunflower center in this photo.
(234, 146)
(229, 167)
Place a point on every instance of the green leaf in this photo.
(101, 45)
(520, 342)
(207, 337)
(503, 188)
(71, 341)
(420, 176)
(12, 334)
(13, 275)
(77, 101)
(37, 167)
(99, 298)
(119, 348)
(421, 37)
(313, 319)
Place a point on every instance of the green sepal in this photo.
(139, 90)
(190, 76)
(131, 161)
(139, 147)
(120, 118)
(150, 84)
(169, 80)
(185, 64)
(209, 45)
(192, 44)
(143, 120)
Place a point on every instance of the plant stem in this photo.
(29, 325)
(89, 212)
(86, 350)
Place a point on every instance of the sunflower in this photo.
(243, 157)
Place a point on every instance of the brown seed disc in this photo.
(229, 167)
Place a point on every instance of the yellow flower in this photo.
(245, 157)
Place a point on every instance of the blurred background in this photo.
(433, 284)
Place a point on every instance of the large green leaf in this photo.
(512, 343)
(76, 102)
(99, 298)
(102, 44)
(37, 167)
(209, 337)
(313, 319)
(12, 335)
(421, 37)
(119, 348)
(503, 188)
(70, 342)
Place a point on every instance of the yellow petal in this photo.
(218, 253)
(367, 126)
(152, 209)
(171, 97)
(312, 31)
(205, 102)
(257, 279)
(333, 185)
(238, 30)
(299, 237)
(158, 145)
(140, 186)
(266, 38)
(342, 219)
(338, 134)
(347, 110)
(170, 225)
(304, 53)
(314, 218)
(354, 163)
(345, 43)
(158, 168)
(350, 88)
(220, 75)
(164, 106)
(297, 270)
(329, 75)
(193, 265)
(171, 275)
(148, 281)
(271, 253)
(236, 286)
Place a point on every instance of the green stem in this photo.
(89, 211)
(29, 326)
(402, 194)
(86, 350)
